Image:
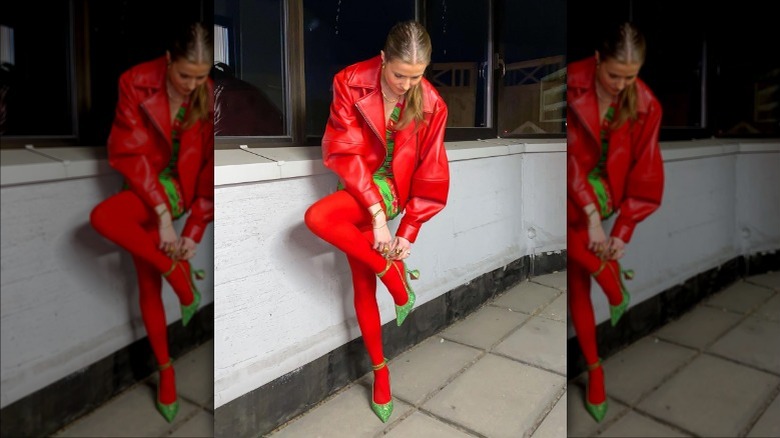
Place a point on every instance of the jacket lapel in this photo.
(156, 107)
(371, 108)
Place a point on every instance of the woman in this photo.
(614, 168)
(162, 142)
(385, 141)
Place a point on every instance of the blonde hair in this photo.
(625, 44)
(408, 41)
(195, 45)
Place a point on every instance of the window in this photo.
(250, 95)
(714, 74)
(61, 69)
(498, 64)
(37, 72)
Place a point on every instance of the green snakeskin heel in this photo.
(384, 410)
(189, 310)
(616, 312)
(401, 312)
(170, 410)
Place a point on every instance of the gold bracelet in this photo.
(375, 214)
(383, 225)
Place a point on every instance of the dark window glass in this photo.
(532, 91)
(460, 34)
(337, 34)
(36, 88)
(249, 73)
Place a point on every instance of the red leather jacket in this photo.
(354, 146)
(139, 146)
(634, 163)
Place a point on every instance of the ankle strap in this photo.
(387, 268)
(593, 366)
(173, 266)
(164, 366)
(380, 365)
(601, 268)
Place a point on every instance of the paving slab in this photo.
(711, 397)
(527, 297)
(636, 425)
(540, 342)
(755, 341)
(769, 279)
(556, 310)
(699, 327)
(419, 425)
(579, 421)
(498, 397)
(555, 279)
(485, 327)
(769, 422)
(642, 366)
(418, 372)
(347, 414)
(200, 426)
(740, 297)
(132, 413)
(771, 309)
(554, 424)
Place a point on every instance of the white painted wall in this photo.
(69, 296)
(285, 296)
(721, 200)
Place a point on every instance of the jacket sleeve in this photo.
(431, 180)
(578, 187)
(202, 210)
(645, 179)
(129, 146)
(343, 146)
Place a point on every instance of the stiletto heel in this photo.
(616, 312)
(384, 410)
(402, 311)
(169, 410)
(599, 410)
(189, 310)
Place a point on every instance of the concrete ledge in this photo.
(260, 411)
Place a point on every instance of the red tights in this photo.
(582, 264)
(339, 220)
(126, 221)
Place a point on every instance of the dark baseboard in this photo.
(651, 314)
(49, 409)
(268, 407)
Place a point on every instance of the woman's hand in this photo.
(400, 249)
(187, 248)
(615, 248)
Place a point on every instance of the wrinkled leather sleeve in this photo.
(431, 180)
(343, 145)
(129, 146)
(645, 180)
(202, 210)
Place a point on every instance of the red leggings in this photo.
(339, 220)
(581, 265)
(127, 221)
